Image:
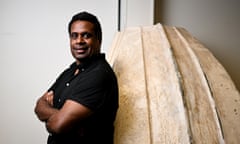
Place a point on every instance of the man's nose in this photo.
(80, 39)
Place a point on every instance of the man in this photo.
(80, 107)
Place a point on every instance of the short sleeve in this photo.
(90, 90)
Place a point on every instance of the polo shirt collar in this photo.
(84, 65)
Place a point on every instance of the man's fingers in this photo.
(49, 98)
(50, 93)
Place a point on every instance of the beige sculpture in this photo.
(172, 90)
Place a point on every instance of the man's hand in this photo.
(49, 98)
(44, 107)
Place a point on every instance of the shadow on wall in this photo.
(158, 11)
(214, 23)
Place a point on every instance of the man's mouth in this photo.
(81, 50)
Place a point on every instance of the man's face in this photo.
(83, 41)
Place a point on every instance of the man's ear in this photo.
(99, 45)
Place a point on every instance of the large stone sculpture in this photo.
(172, 90)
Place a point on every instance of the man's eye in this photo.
(87, 35)
(74, 35)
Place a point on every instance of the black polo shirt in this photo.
(95, 86)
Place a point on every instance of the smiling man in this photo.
(80, 107)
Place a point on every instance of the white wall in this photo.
(214, 22)
(136, 13)
(34, 50)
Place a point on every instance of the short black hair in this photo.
(85, 16)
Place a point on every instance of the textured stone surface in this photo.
(172, 89)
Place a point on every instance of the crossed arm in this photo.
(59, 121)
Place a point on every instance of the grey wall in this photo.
(34, 49)
(214, 22)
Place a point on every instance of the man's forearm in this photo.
(44, 110)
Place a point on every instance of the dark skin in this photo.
(83, 41)
(84, 44)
